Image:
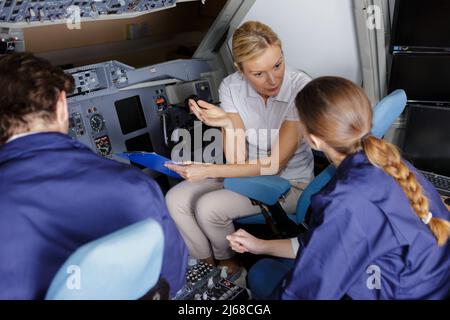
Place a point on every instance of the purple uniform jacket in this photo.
(368, 243)
(56, 195)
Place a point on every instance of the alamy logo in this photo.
(374, 20)
(267, 154)
(73, 281)
(374, 280)
(73, 20)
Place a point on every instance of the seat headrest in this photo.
(123, 265)
(386, 111)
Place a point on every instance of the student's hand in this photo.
(241, 241)
(192, 172)
(210, 114)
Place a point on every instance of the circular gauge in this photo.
(97, 123)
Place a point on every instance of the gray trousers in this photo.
(204, 212)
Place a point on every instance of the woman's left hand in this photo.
(192, 172)
(210, 114)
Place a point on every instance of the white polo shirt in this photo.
(238, 96)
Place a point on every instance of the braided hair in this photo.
(338, 111)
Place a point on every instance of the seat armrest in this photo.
(265, 189)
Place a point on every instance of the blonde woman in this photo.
(258, 98)
(380, 230)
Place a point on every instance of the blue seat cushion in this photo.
(259, 219)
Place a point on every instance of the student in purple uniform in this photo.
(379, 228)
(55, 193)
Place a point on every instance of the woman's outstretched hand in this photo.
(210, 114)
(192, 172)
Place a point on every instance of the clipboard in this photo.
(150, 160)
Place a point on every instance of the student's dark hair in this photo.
(338, 111)
(29, 88)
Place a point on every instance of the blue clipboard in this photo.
(150, 160)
